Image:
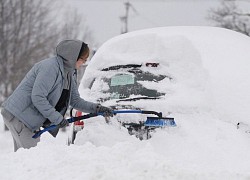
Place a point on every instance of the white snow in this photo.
(208, 96)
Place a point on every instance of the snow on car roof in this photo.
(164, 45)
(174, 52)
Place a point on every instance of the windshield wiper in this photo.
(121, 66)
(137, 98)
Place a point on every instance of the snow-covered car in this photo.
(141, 70)
(162, 70)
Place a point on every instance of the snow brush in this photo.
(158, 121)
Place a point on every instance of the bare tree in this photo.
(29, 32)
(231, 17)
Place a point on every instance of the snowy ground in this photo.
(206, 143)
(213, 150)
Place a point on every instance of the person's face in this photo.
(81, 60)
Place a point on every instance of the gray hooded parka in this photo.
(35, 98)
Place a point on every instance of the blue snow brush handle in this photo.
(39, 133)
(73, 119)
(70, 120)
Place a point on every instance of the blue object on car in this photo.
(160, 122)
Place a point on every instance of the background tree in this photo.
(29, 32)
(231, 17)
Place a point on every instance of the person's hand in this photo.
(106, 111)
(63, 123)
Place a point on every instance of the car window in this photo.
(123, 84)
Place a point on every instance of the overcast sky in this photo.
(103, 16)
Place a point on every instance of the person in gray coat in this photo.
(44, 95)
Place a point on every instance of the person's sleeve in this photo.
(45, 79)
(78, 103)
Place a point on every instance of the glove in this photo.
(107, 112)
(63, 123)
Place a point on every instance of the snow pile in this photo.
(210, 87)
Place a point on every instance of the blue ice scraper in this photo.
(141, 130)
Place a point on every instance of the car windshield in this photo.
(127, 81)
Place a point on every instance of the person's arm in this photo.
(78, 103)
(45, 79)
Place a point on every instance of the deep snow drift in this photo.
(208, 97)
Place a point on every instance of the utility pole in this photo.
(124, 19)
